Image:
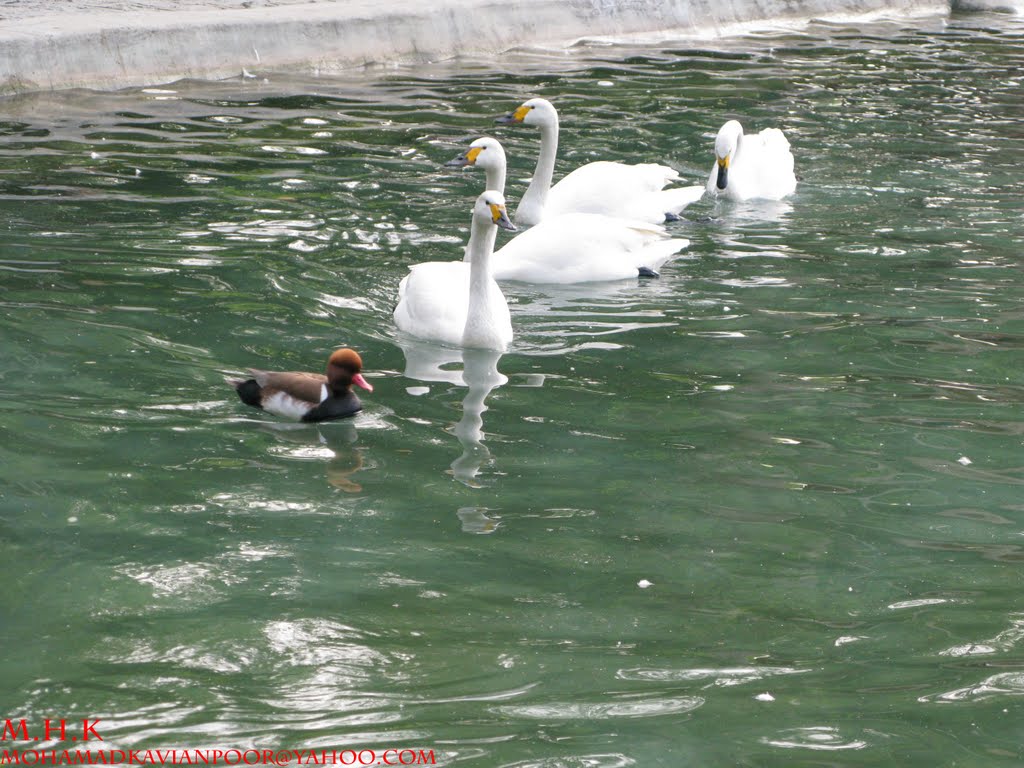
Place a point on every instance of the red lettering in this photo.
(10, 729)
(88, 728)
(6, 758)
(63, 733)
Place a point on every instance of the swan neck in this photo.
(482, 235)
(495, 178)
(531, 207)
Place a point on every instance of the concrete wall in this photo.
(98, 47)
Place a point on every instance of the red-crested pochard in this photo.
(308, 396)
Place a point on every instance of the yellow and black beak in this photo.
(514, 118)
(466, 158)
(500, 217)
(723, 172)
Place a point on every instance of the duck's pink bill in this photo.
(358, 379)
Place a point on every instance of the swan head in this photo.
(532, 112)
(486, 153)
(490, 208)
(726, 143)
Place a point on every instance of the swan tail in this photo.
(648, 230)
(774, 140)
(654, 256)
(676, 199)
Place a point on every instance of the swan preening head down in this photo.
(726, 143)
(756, 166)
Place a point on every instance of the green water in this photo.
(806, 434)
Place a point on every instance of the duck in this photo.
(459, 303)
(757, 166)
(308, 397)
(612, 188)
(571, 247)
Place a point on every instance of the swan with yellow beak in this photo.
(458, 302)
(611, 188)
(751, 166)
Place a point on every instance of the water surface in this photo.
(805, 435)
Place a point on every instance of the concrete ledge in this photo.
(109, 49)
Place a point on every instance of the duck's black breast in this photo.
(335, 408)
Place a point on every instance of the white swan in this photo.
(614, 189)
(572, 247)
(486, 153)
(585, 248)
(752, 166)
(458, 303)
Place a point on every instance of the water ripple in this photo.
(619, 705)
(821, 738)
(1000, 685)
(718, 677)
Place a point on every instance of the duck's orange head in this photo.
(344, 368)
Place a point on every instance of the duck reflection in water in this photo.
(480, 375)
(334, 441)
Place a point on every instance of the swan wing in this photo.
(433, 301)
(774, 164)
(619, 189)
(654, 205)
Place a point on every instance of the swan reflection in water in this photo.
(479, 374)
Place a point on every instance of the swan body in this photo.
(455, 302)
(610, 188)
(584, 248)
(751, 166)
(572, 247)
